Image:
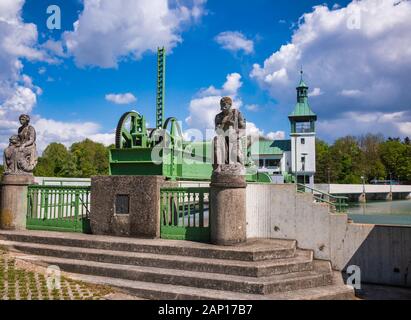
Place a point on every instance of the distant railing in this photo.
(68, 182)
(337, 203)
(58, 208)
(185, 214)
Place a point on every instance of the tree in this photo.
(372, 166)
(52, 161)
(323, 161)
(346, 157)
(90, 158)
(1, 169)
(396, 159)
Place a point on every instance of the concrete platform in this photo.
(168, 269)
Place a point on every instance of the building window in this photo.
(261, 163)
(302, 127)
(302, 140)
(273, 162)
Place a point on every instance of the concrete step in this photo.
(321, 275)
(301, 262)
(154, 291)
(253, 250)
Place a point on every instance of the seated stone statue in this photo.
(20, 157)
(230, 128)
(10, 155)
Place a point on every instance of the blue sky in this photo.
(354, 56)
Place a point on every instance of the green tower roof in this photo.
(302, 108)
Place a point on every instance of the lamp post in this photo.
(363, 184)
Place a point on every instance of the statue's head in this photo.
(24, 119)
(226, 103)
(14, 140)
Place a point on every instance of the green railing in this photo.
(337, 203)
(185, 214)
(58, 208)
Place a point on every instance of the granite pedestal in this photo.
(227, 209)
(126, 206)
(13, 203)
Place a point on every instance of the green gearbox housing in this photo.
(162, 151)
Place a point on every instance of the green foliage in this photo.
(83, 160)
(350, 158)
(396, 158)
(53, 160)
(91, 158)
(323, 173)
(1, 169)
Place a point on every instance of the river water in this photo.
(382, 212)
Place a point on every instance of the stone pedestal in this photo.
(228, 209)
(13, 202)
(126, 206)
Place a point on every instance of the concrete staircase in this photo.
(167, 269)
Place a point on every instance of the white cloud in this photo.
(18, 93)
(121, 98)
(235, 41)
(315, 92)
(18, 41)
(108, 31)
(351, 93)
(104, 138)
(252, 107)
(42, 70)
(233, 84)
(277, 135)
(253, 131)
(356, 123)
(55, 48)
(365, 69)
(49, 131)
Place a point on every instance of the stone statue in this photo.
(230, 128)
(20, 157)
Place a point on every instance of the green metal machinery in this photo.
(162, 150)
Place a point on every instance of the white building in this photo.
(283, 160)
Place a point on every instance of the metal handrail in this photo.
(340, 204)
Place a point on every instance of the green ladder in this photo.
(161, 85)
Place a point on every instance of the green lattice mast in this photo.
(161, 86)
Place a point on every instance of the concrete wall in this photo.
(278, 211)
